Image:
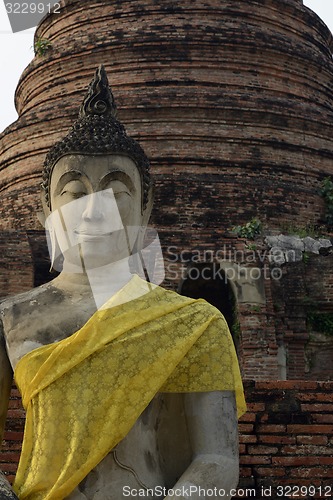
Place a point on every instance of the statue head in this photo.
(96, 184)
(98, 132)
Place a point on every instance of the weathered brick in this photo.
(255, 407)
(322, 419)
(16, 413)
(262, 450)
(245, 471)
(247, 438)
(270, 471)
(274, 429)
(311, 472)
(9, 467)
(246, 428)
(312, 440)
(9, 456)
(248, 417)
(271, 439)
(254, 459)
(310, 429)
(316, 396)
(306, 450)
(316, 407)
(285, 384)
(13, 436)
(305, 460)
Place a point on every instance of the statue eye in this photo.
(74, 190)
(117, 188)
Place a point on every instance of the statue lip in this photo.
(92, 235)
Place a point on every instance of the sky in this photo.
(16, 52)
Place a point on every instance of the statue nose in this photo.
(93, 208)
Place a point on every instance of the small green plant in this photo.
(302, 231)
(255, 308)
(321, 322)
(41, 46)
(306, 257)
(251, 246)
(327, 193)
(236, 331)
(249, 230)
(277, 307)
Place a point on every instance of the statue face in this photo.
(96, 208)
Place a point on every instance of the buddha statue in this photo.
(130, 390)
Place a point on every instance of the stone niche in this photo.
(319, 356)
(303, 308)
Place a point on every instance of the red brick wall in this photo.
(286, 437)
(16, 267)
(13, 435)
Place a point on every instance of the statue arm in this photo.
(6, 378)
(212, 423)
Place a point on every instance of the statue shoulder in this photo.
(12, 308)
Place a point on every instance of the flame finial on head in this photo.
(97, 131)
(99, 99)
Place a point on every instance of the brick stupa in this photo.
(232, 102)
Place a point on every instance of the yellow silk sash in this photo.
(84, 393)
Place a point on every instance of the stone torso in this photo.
(143, 458)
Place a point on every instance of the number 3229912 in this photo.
(303, 491)
(32, 8)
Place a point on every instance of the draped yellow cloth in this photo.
(84, 393)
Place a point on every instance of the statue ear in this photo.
(138, 245)
(42, 216)
(149, 206)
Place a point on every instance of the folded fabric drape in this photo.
(84, 393)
